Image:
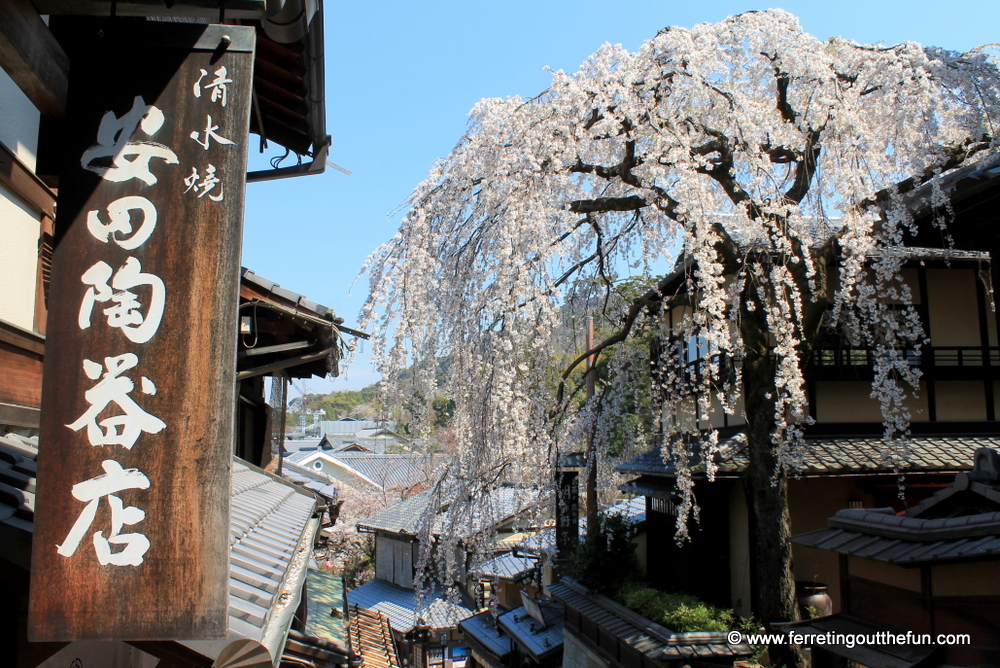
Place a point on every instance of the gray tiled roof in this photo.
(303, 452)
(383, 471)
(494, 509)
(400, 605)
(539, 643)
(351, 426)
(312, 480)
(484, 630)
(832, 456)
(633, 510)
(898, 550)
(17, 497)
(403, 517)
(294, 297)
(961, 521)
(539, 542)
(393, 470)
(509, 566)
(271, 526)
(645, 636)
(371, 440)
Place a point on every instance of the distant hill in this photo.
(365, 403)
(353, 403)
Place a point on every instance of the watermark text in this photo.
(849, 640)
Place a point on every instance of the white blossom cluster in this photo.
(747, 154)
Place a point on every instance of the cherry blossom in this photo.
(726, 166)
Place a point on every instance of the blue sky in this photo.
(401, 77)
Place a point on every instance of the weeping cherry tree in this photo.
(729, 165)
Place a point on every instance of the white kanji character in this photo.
(219, 86)
(114, 480)
(210, 134)
(192, 181)
(197, 84)
(115, 388)
(207, 184)
(121, 221)
(113, 141)
(97, 278)
(125, 314)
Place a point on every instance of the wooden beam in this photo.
(235, 9)
(32, 57)
(22, 182)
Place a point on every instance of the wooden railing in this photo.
(934, 356)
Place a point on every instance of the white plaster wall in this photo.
(951, 303)
(739, 551)
(20, 228)
(975, 579)
(19, 126)
(576, 654)
(960, 400)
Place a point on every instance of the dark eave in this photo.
(287, 332)
(289, 96)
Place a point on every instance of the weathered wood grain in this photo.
(180, 588)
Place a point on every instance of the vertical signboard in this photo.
(131, 537)
(567, 513)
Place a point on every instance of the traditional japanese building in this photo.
(953, 413)
(932, 571)
(427, 624)
(41, 61)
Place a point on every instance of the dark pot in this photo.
(813, 595)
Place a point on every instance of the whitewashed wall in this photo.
(19, 226)
(19, 231)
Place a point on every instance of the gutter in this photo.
(279, 622)
(286, 22)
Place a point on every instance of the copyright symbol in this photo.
(735, 637)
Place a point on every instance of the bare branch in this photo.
(805, 169)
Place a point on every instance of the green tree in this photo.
(606, 559)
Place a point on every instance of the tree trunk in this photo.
(774, 585)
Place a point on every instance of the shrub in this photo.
(606, 559)
(678, 612)
(605, 562)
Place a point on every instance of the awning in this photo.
(289, 95)
(858, 640)
(486, 637)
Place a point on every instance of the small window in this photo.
(318, 465)
(665, 506)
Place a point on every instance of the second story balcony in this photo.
(935, 362)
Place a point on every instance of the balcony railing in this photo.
(941, 362)
(928, 357)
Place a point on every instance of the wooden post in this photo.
(591, 501)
